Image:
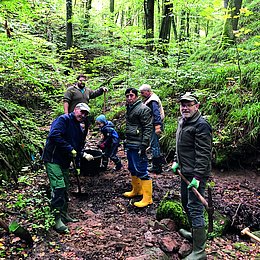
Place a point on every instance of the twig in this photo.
(234, 217)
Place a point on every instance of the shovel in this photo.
(18, 231)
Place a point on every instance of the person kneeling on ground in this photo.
(109, 143)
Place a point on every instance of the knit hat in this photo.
(101, 119)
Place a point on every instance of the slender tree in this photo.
(149, 22)
(69, 23)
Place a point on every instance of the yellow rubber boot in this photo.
(147, 188)
(136, 188)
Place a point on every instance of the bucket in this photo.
(91, 167)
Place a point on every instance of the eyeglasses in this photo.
(187, 105)
(129, 95)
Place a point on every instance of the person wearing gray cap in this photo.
(193, 158)
(65, 141)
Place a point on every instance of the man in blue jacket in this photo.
(65, 141)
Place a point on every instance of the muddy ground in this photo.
(110, 227)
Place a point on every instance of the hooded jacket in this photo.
(193, 146)
(110, 134)
(65, 135)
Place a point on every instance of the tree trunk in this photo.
(182, 27)
(149, 23)
(174, 27)
(69, 23)
(165, 32)
(231, 23)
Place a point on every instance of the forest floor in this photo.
(110, 227)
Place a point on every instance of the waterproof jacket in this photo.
(75, 95)
(65, 135)
(139, 125)
(193, 146)
(110, 134)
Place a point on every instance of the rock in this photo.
(185, 249)
(169, 244)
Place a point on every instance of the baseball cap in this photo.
(83, 107)
(188, 97)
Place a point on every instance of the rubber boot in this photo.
(136, 188)
(65, 217)
(186, 234)
(60, 227)
(156, 166)
(199, 243)
(147, 194)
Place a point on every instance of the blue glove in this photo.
(175, 166)
(194, 183)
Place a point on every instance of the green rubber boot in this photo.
(60, 227)
(199, 243)
(186, 234)
(65, 217)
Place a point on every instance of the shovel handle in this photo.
(77, 177)
(197, 194)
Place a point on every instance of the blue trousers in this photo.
(137, 165)
(192, 205)
(155, 145)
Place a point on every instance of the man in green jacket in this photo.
(139, 129)
(79, 93)
(193, 157)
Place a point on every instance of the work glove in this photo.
(77, 171)
(194, 183)
(175, 166)
(74, 153)
(105, 89)
(158, 130)
(88, 157)
(142, 151)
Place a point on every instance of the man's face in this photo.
(145, 93)
(80, 114)
(82, 82)
(131, 98)
(188, 108)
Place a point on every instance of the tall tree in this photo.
(231, 23)
(149, 22)
(69, 23)
(165, 31)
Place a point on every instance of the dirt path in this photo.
(110, 227)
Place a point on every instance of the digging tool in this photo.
(209, 206)
(18, 231)
(77, 177)
(246, 231)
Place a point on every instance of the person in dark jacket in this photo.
(154, 103)
(65, 141)
(193, 158)
(138, 134)
(109, 143)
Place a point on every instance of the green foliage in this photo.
(173, 210)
